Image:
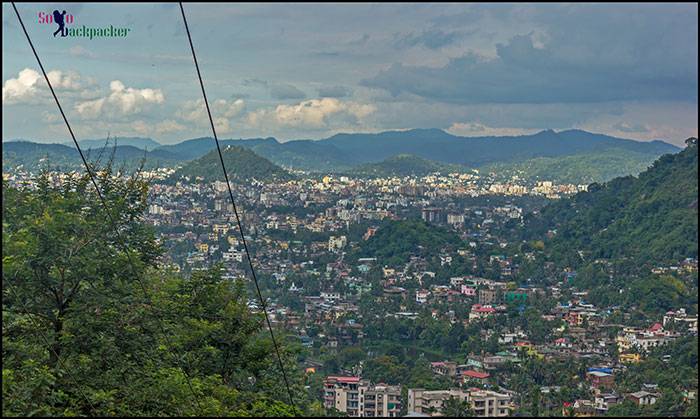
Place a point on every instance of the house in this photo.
(360, 398)
(630, 358)
(600, 379)
(479, 312)
(605, 401)
(563, 343)
(643, 398)
(422, 296)
(487, 296)
(468, 291)
(475, 376)
(445, 368)
(484, 403)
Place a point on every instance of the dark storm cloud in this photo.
(583, 57)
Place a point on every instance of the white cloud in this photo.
(30, 86)
(475, 129)
(311, 114)
(80, 51)
(222, 112)
(150, 129)
(121, 101)
(169, 126)
(50, 117)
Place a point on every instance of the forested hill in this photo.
(34, 156)
(652, 219)
(595, 167)
(405, 165)
(241, 164)
(396, 241)
(571, 156)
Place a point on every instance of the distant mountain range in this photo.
(138, 142)
(35, 156)
(348, 152)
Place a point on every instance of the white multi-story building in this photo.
(336, 243)
(484, 403)
(360, 398)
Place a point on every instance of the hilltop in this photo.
(241, 164)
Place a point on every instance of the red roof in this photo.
(482, 309)
(656, 327)
(476, 374)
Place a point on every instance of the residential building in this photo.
(484, 403)
(360, 398)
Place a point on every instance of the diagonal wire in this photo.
(235, 211)
(121, 242)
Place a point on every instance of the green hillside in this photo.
(241, 164)
(396, 241)
(35, 156)
(616, 232)
(578, 169)
(405, 165)
(652, 219)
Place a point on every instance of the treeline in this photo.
(651, 219)
(89, 329)
(396, 241)
(616, 232)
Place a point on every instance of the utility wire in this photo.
(235, 211)
(121, 242)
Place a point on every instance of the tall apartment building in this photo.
(431, 214)
(488, 296)
(360, 398)
(485, 403)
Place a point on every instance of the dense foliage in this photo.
(651, 219)
(85, 334)
(405, 165)
(396, 241)
(586, 168)
(241, 164)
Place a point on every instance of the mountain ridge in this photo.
(344, 152)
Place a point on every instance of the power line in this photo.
(121, 242)
(235, 211)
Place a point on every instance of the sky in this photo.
(308, 71)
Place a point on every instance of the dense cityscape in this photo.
(355, 308)
(350, 209)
